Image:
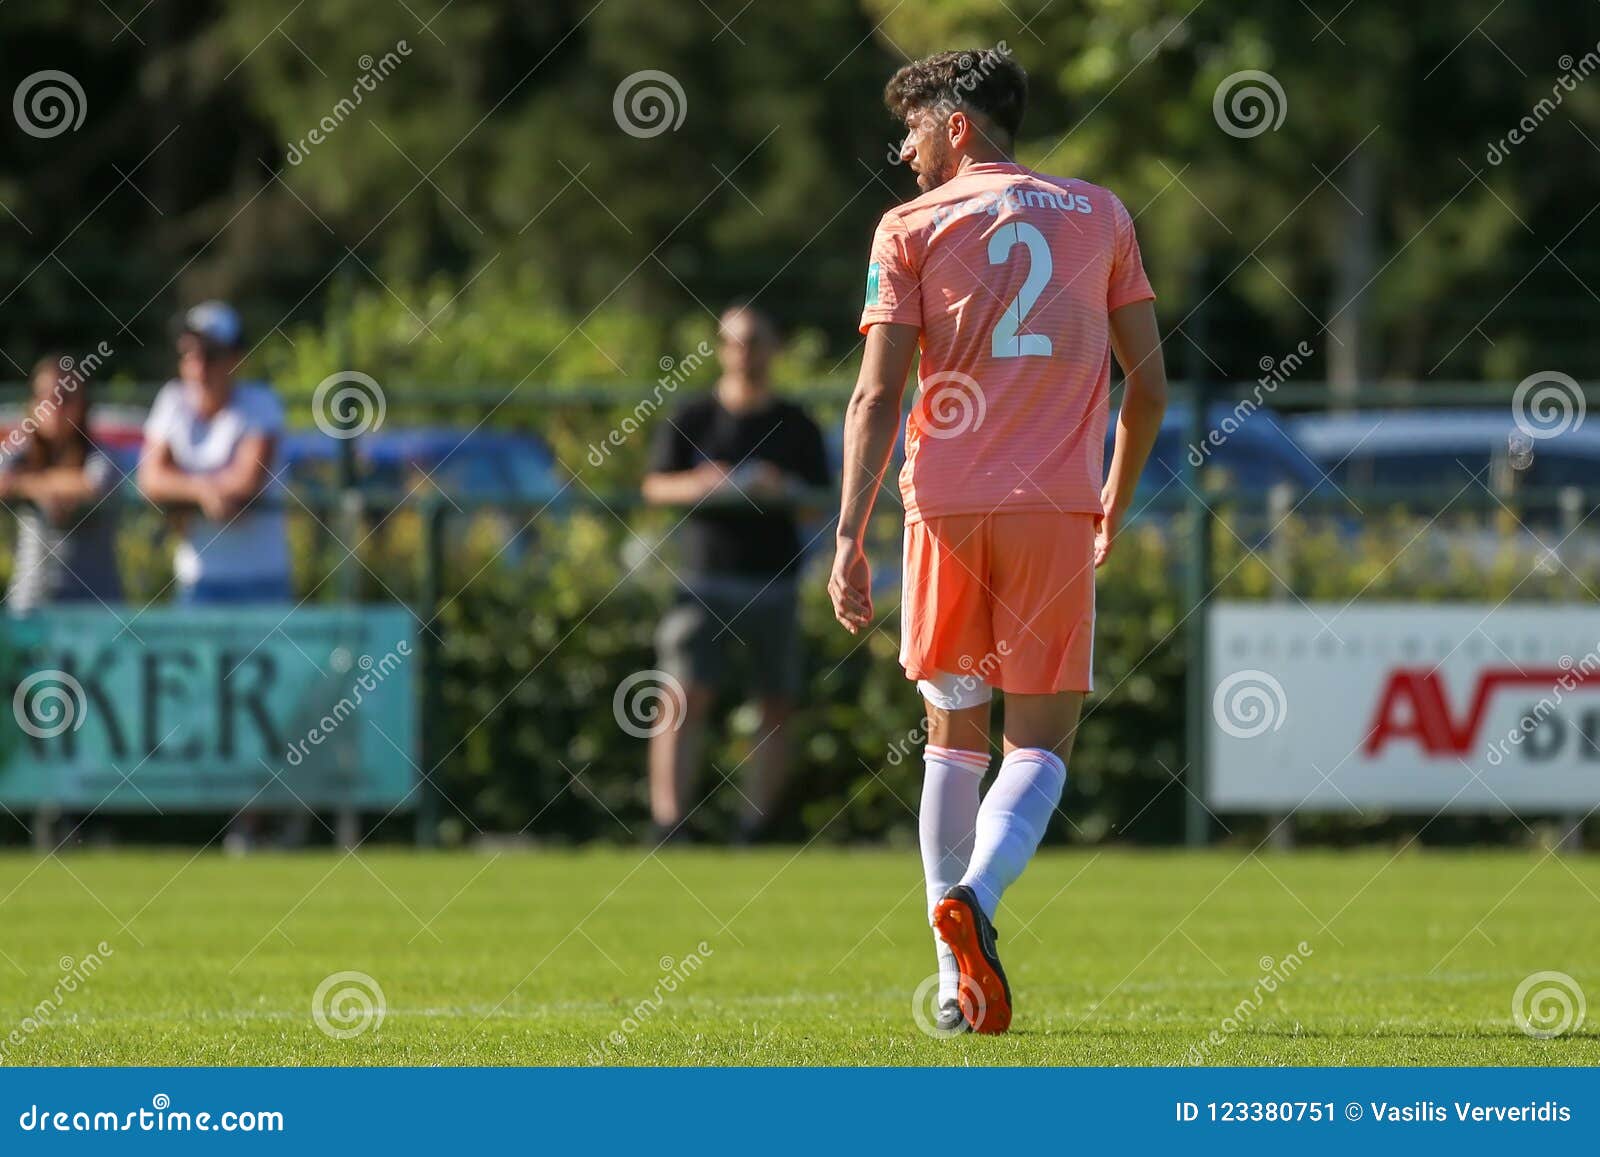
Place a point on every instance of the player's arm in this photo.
(672, 476)
(249, 470)
(1137, 343)
(870, 424)
(683, 487)
(162, 482)
(64, 486)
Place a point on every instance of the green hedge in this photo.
(533, 640)
(537, 646)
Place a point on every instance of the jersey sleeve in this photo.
(1128, 282)
(894, 291)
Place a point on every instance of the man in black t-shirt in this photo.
(738, 460)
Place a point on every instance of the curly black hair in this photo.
(982, 80)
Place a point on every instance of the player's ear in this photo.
(957, 128)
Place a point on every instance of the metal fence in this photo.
(359, 543)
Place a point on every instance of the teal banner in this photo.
(206, 708)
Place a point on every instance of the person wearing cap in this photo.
(210, 444)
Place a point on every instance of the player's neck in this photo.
(740, 393)
(209, 398)
(987, 157)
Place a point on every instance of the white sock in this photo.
(1015, 812)
(945, 824)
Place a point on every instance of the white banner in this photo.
(1403, 707)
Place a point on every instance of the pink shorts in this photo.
(1005, 597)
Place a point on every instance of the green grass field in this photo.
(809, 958)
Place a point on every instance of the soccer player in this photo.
(1016, 287)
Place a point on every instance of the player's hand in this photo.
(713, 478)
(761, 480)
(217, 506)
(850, 586)
(1105, 527)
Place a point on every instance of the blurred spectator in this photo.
(58, 482)
(209, 452)
(739, 458)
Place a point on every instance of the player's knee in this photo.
(1047, 722)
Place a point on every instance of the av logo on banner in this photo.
(1407, 706)
(1413, 706)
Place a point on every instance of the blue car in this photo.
(488, 464)
(1443, 453)
(1436, 449)
(1251, 452)
(492, 465)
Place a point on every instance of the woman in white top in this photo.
(210, 444)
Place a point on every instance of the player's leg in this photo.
(954, 762)
(770, 628)
(769, 769)
(688, 656)
(1042, 580)
(945, 630)
(1039, 730)
(676, 749)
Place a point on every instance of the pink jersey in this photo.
(1011, 276)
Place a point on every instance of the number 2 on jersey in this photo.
(1006, 341)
